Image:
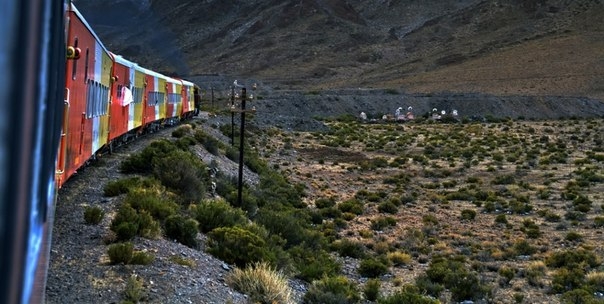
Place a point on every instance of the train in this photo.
(64, 99)
(110, 99)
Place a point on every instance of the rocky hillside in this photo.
(536, 47)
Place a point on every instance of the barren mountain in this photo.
(536, 47)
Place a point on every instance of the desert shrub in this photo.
(262, 283)
(182, 172)
(382, 223)
(573, 215)
(352, 206)
(121, 186)
(427, 286)
(183, 230)
(505, 179)
(535, 272)
(93, 215)
(387, 207)
(212, 214)
(572, 258)
(371, 290)
(595, 280)
(143, 162)
(120, 253)
(288, 224)
(134, 292)
(148, 227)
(523, 247)
(578, 296)
(149, 200)
(520, 207)
(468, 214)
(211, 144)
(429, 219)
(237, 245)
(452, 274)
(332, 290)
(408, 294)
(582, 204)
(348, 248)
(181, 131)
(599, 221)
(573, 236)
(325, 202)
(399, 258)
(313, 264)
(507, 274)
(125, 223)
(565, 279)
(373, 268)
(501, 219)
(141, 258)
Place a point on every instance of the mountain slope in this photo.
(534, 47)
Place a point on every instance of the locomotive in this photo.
(64, 99)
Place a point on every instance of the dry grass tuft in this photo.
(262, 283)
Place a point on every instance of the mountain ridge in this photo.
(410, 45)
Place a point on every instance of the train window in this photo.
(86, 68)
(137, 95)
(75, 62)
(155, 98)
(174, 98)
(97, 99)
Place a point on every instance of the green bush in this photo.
(565, 279)
(237, 245)
(348, 248)
(143, 162)
(141, 258)
(325, 202)
(121, 186)
(387, 207)
(288, 224)
(452, 274)
(332, 290)
(148, 227)
(408, 294)
(372, 289)
(151, 201)
(572, 258)
(313, 264)
(93, 215)
(352, 206)
(183, 172)
(373, 268)
(120, 253)
(125, 223)
(212, 214)
(468, 214)
(382, 223)
(183, 230)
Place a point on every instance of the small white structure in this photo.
(363, 116)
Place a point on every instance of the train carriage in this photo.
(126, 111)
(154, 102)
(188, 101)
(174, 100)
(87, 80)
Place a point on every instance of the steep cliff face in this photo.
(414, 45)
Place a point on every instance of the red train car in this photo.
(126, 109)
(87, 81)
